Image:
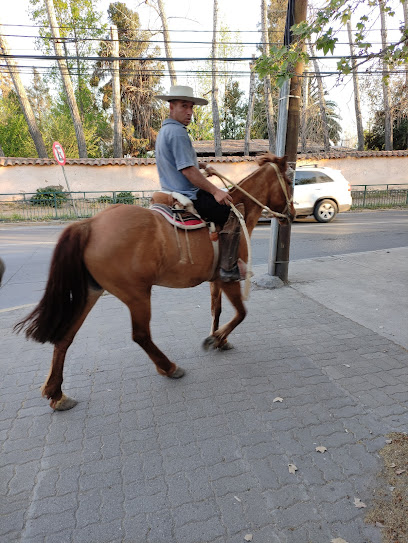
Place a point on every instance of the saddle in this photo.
(177, 209)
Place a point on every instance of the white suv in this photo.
(321, 192)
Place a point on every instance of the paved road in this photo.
(348, 233)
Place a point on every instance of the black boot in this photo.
(229, 245)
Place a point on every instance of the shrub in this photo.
(49, 196)
(125, 198)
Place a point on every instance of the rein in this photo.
(282, 183)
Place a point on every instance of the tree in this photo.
(267, 81)
(14, 134)
(375, 136)
(139, 80)
(66, 80)
(314, 130)
(159, 7)
(234, 114)
(322, 102)
(323, 29)
(23, 99)
(357, 104)
(214, 89)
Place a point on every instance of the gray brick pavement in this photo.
(203, 459)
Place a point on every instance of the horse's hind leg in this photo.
(52, 386)
(218, 338)
(140, 311)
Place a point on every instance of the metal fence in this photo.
(44, 206)
(379, 196)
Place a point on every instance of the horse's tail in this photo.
(66, 291)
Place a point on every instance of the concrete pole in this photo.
(250, 108)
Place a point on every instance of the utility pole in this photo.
(299, 9)
(214, 92)
(267, 80)
(116, 102)
(357, 104)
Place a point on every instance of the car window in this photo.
(311, 177)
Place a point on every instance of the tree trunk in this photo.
(305, 104)
(322, 102)
(116, 101)
(2, 152)
(66, 79)
(167, 47)
(215, 113)
(23, 99)
(250, 107)
(267, 82)
(359, 118)
(405, 8)
(386, 95)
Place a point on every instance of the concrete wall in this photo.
(81, 177)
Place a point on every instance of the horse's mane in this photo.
(269, 157)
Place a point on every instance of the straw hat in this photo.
(180, 92)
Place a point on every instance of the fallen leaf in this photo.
(338, 540)
(380, 524)
(321, 449)
(358, 503)
(347, 365)
(236, 497)
(277, 400)
(388, 441)
(248, 537)
(399, 471)
(292, 468)
(393, 465)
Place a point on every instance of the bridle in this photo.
(289, 199)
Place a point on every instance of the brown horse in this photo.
(125, 250)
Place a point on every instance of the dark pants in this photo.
(209, 209)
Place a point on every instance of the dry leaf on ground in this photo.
(338, 540)
(321, 449)
(248, 537)
(278, 399)
(358, 503)
(292, 468)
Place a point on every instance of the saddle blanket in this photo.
(181, 218)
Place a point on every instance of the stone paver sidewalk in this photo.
(144, 459)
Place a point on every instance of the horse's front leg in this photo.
(218, 337)
(140, 310)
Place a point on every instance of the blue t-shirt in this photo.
(174, 152)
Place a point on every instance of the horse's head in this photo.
(281, 193)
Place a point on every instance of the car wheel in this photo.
(325, 211)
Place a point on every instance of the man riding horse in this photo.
(179, 171)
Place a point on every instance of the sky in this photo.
(192, 21)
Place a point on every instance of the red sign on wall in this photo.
(59, 153)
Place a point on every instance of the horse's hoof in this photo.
(179, 372)
(210, 343)
(63, 404)
(227, 346)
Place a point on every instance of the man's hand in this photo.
(222, 197)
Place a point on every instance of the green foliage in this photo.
(15, 138)
(49, 197)
(234, 113)
(139, 79)
(125, 198)
(322, 30)
(201, 127)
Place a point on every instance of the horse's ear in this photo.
(282, 162)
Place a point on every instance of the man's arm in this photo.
(195, 177)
